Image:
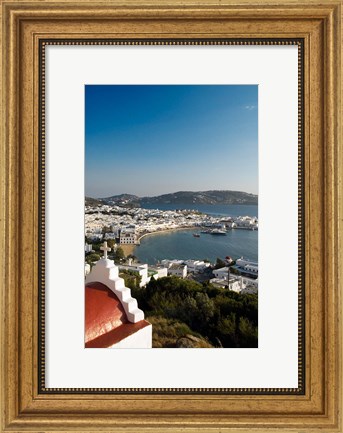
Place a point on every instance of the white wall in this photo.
(141, 339)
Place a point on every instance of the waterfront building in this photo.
(157, 272)
(251, 268)
(196, 265)
(246, 267)
(141, 221)
(112, 316)
(231, 225)
(245, 222)
(178, 270)
(128, 236)
(243, 262)
(167, 263)
(221, 273)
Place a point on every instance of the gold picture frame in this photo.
(27, 25)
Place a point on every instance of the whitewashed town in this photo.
(125, 227)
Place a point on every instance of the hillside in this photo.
(89, 201)
(181, 197)
(125, 200)
(203, 197)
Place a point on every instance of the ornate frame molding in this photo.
(25, 25)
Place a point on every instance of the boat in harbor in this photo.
(196, 235)
(217, 232)
(214, 232)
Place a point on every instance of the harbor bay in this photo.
(181, 244)
(176, 231)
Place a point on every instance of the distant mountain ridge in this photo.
(203, 197)
(183, 197)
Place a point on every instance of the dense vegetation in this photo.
(185, 313)
(132, 279)
(89, 201)
(116, 254)
(184, 308)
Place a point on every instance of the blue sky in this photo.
(155, 139)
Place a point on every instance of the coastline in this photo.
(165, 231)
(130, 248)
(180, 244)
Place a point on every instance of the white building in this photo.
(115, 230)
(221, 273)
(235, 283)
(251, 268)
(141, 270)
(249, 282)
(250, 285)
(157, 272)
(242, 262)
(167, 263)
(246, 222)
(196, 265)
(94, 236)
(247, 266)
(87, 269)
(178, 270)
(128, 237)
(88, 247)
(110, 236)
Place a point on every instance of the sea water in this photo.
(181, 244)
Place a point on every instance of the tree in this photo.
(132, 280)
(205, 306)
(234, 271)
(111, 243)
(119, 254)
(248, 333)
(93, 257)
(96, 246)
(227, 330)
(132, 256)
(219, 263)
(222, 317)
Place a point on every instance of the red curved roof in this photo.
(106, 322)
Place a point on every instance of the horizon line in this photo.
(175, 192)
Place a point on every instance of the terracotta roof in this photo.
(105, 319)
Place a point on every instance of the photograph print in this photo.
(171, 216)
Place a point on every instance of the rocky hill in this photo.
(183, 197)
(203, 197)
